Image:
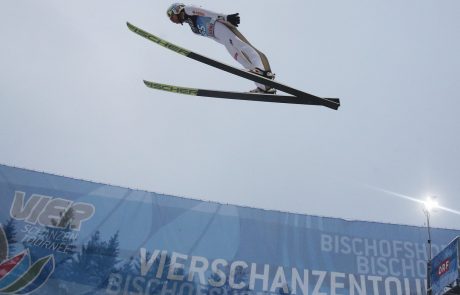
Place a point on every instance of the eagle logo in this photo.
(17, 274)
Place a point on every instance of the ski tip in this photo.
(130, 26)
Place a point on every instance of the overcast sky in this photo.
(72, 103)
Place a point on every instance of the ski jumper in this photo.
(213, 25)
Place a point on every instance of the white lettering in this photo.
(297, 280)
(234, 272)
(146, 265)
(321, 275)
(255, 276)
(200, 270)
(361, 287)
(176, 269)
(395, 282)
(218, 272)
(279, 281)
(335, 284)
(375, 283)
(326, 243)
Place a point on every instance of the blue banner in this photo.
(445, 268)
(65, 236)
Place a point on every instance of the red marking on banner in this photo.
(9, 264)
(443, 267)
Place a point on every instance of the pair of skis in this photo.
(298, 96)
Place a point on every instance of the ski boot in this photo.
(260, 72)
(266, 74)
(269, 90)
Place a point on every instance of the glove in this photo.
(234, 19)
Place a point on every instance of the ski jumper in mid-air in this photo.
(222, 28)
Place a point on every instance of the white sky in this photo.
(72, 103)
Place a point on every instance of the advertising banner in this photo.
(445, 268)
(64, 236)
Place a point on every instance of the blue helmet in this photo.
(175, 8)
